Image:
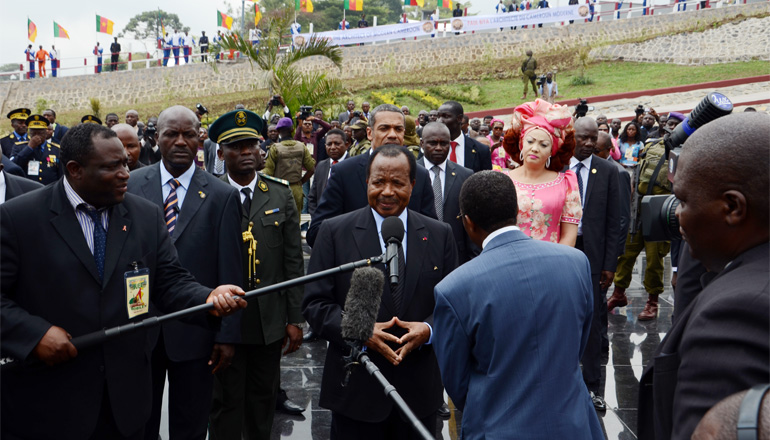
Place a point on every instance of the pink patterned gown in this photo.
(544, 206)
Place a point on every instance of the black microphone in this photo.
(362, 305)
(392, 235)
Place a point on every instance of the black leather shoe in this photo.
(310, 336)
(443, 411)
(598, 402)
(286, 406)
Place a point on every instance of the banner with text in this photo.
(457, 24)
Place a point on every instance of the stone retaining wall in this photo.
(126, 87)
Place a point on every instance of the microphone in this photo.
(392, 234)
(362, 305)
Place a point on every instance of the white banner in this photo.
(457, 24)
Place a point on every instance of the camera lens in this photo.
(668, 213)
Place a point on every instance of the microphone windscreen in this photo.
(392, 227)
(362, 304)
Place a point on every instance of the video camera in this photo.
(659, 222)
(582, 108)
(540, 80)
(275, 101)
(305, 111)
(150, 130)
(639, 110)
(201, 109)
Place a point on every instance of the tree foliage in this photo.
(146, 25)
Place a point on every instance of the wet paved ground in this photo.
(632, 344)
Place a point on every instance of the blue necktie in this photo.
(100, 239)
(578, 168)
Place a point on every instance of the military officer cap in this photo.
(37, 121)
(236, 126)
(20, 113)
(360, 124)
(90, 119)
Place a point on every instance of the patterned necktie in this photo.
(398, 292)
(246, 201)
(171, 206)
(219, 165)
(578, 168)
(100, 238)
(438, 198)
(453, 152)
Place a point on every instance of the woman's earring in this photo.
(548, 162)
(521, 156)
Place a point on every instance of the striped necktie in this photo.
(171, 207)
(100, 238)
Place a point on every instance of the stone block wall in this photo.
(403, 57)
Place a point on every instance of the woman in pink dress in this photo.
(542, 139)
(500, 159)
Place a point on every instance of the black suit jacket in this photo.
(208, 240)
(16, 186)
(64, 290)
(624, 192)
(346, 192)
(210, 156)
(320, 179)
(58, 133)
(11, 168)
(477, 155)
(455, 177)
(430, 255)
(601, 216)
(718, 346)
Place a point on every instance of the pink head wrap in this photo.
(554, 119)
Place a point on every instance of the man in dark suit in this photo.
(14, 185)
(435, 143)
(347, 117)
(721, 343)
(346, 189)
(204, 218)
(337, 150)
(213, 163)
(12, 168)
(96, 237)
(603, 148)
(598, 233)
(245, 392)
(465, 151)
(58, 130)
(400, 344)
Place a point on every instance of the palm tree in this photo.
(296, 88)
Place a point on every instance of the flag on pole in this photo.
(162, 26)
(445, 4)
(104, 25)
(303, 5)
(420, 3)
(59, 32)
(257, 14)
(31, 30)
(224, 20)
(354, 5)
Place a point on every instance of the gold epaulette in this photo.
(54, 144)
(274, 179)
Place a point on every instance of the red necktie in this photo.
(334, 163)
(452, 152)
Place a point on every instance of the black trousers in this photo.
(114, 64)
(395, 427)
(189, 395)
(592, 355)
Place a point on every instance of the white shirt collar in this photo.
(430, 165)
(251, 185)
(344, 156)
(497, 232)
(184, 179)
(586, 162)
(378, 219)
(2, 187)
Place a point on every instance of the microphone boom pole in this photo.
(101, 336)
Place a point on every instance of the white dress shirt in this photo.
(251, 186)
(331, 164)
(584, 175)
(184, 183)
(460, 149)
(2, 187)
(497, 232)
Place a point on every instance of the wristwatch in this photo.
(300, 325)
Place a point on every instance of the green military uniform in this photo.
(245, 393)
(528, 68)
(360, 148)
(285, 160)
(41, 163)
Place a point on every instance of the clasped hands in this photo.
(417, 333)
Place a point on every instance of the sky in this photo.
(78, 18)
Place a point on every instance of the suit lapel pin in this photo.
(424, 238)
(473, 151)
(435, 267)
(593, 171)
(124, 228)
(202, 194)
(453, 173)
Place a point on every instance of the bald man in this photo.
(721, 422)
(132, 119)
(721, 343)
(203, 217)
(130, 141)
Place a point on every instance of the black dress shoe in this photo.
(443, 411)
(309, 336)
(286, 406)
(598, 402)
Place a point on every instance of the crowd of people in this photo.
(515, 229)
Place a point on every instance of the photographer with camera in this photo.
(150, 153)
(276, 101)
(581, 108)
(308, 136)
(548, 87)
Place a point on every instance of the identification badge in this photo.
(137, 292)
(33, 168)
(200, 156)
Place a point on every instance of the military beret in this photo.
(284, 123)
(359, 125)
(37, 121)
(90, 119)
(235, 126)
(20, 113)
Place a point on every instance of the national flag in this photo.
(354, 5)
(304, 5)
(59, 32)
(224, 20)
(162, 27)
(104, 25)
(445, 4)
(257, 14)
(420, 3)
(31, 30)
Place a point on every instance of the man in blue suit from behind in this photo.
(510, 326)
